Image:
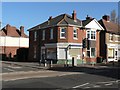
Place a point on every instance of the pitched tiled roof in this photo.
(63, 19)
(12, 31)
(110, 27)
(85, 22)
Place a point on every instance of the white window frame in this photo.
(117, 37)
(61, 37)
(43, 35)
(110, 36)
(35, 35)
(91, 52)
(75, 33)
(90, 34)
(51, 33)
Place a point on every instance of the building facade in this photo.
(110, 42)
(12, 39)
(93, 29)
(60, 39)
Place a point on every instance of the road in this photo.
(83, 81)
(60, 78)
(6, 68)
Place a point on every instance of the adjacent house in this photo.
(110, 40)
(12, 39)
(92, 29)
(60, 39)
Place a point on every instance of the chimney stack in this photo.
(7, 26)
(50, 18)
(106, 18)
(74, 15)
(22, 29)
(88, 17)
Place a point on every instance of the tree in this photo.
(113, 16)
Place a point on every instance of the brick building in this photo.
(110, 42)
(60, 39)
(12, 39)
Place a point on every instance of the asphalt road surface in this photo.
(83, 81)
(85, 78)
(10, 67)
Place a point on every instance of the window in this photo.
(51, 33)
(91, 35)
(117, 38)
(63, 33)
(111, 37)
(92, 52)
(35, 35)
(110, 53)
(34, 52)
(43, 38)
(88, 34)
(75, 33)
(88, 53)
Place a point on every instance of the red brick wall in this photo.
(69, 35)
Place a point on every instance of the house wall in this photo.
(14, 41)
(113, 45)
(9, 45)
(33, 44)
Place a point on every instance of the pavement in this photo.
(37, 65)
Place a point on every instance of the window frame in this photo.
(61, 37)
(90, 34)
(35, 35)
(43, 34)
(51, 33)
(75, 33)
(111, 37)
(35, 50)
(90, 51)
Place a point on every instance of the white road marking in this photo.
(96, 86)
(14, 67)
(80, 85)
(86, 87)
(9, 69)
(108, 84)
(109, 81)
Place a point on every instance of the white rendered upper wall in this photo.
(14, 41)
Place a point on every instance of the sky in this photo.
(29, 14)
